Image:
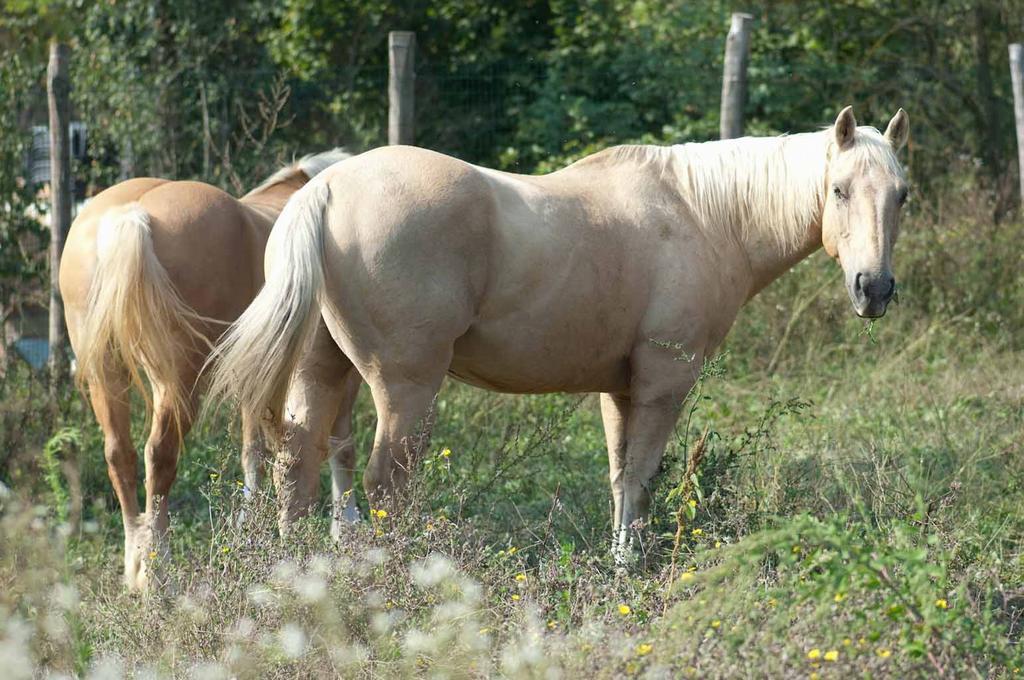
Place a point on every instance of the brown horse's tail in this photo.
(134, 317)
(256, 357)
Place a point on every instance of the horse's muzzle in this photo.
(871, 292)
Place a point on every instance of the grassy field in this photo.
(858, 509)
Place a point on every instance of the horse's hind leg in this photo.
(110, 404)
(342, 451)
(162, 449)
(254, 454)
(402, 394)
(317, 389)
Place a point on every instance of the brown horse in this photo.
(423, 266)
(152, 273)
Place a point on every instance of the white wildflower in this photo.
(350, 655)
(416, 641)
(375, 556)
(310, 588)
(54, 625)
(434, 569)
(284, 572)
(374, 598)
(64, 597)
(262, 596)
(292, 640)
(210, 670)
(244, 628)
(106, 668)
(321, 564)
(382, 622)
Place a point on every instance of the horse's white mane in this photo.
(771, 184)
(311, 165)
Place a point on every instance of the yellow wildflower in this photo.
(832, 655)
(716, 623)
(941, 603)
(445, 452)
(718, 544)
(686, 576)
(520, 577)
(814, 654)
(515, 598)
(697, 532)
(692, 503)
(847, 642)
(643, 649)
(512, 550)
(839, 597)
(624, 609)
(152, 554)
(379, 513)
(884, 653)
(225, 550)
(552, 625)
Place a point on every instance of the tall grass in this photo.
(857, 510)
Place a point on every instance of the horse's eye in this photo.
(903, 197)
(838, 193)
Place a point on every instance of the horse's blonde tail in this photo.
(135, 318)
(256, 357)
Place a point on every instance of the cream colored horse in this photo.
(424, 266)
(152, 273)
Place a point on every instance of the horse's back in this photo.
(512, 270)
(79, 255)
(208, 242)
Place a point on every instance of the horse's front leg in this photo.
(659, 386)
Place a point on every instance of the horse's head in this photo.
(865, 191)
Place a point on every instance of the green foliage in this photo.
(23, 238)
(55, 454)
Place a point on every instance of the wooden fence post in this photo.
(1017, 76)
(734, 77)
(58, 88)
(401, 86)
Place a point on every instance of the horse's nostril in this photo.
(857, 284)
(892, 287)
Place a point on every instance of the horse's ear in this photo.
(845, 127)
(898, 130)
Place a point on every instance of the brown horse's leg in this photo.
(254, 454)
(110, 404)
(615, 414)
(162, 450)
(316, 390)
(342, 449)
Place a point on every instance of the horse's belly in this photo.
(523, 362)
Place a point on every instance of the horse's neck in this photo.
(768, 197)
